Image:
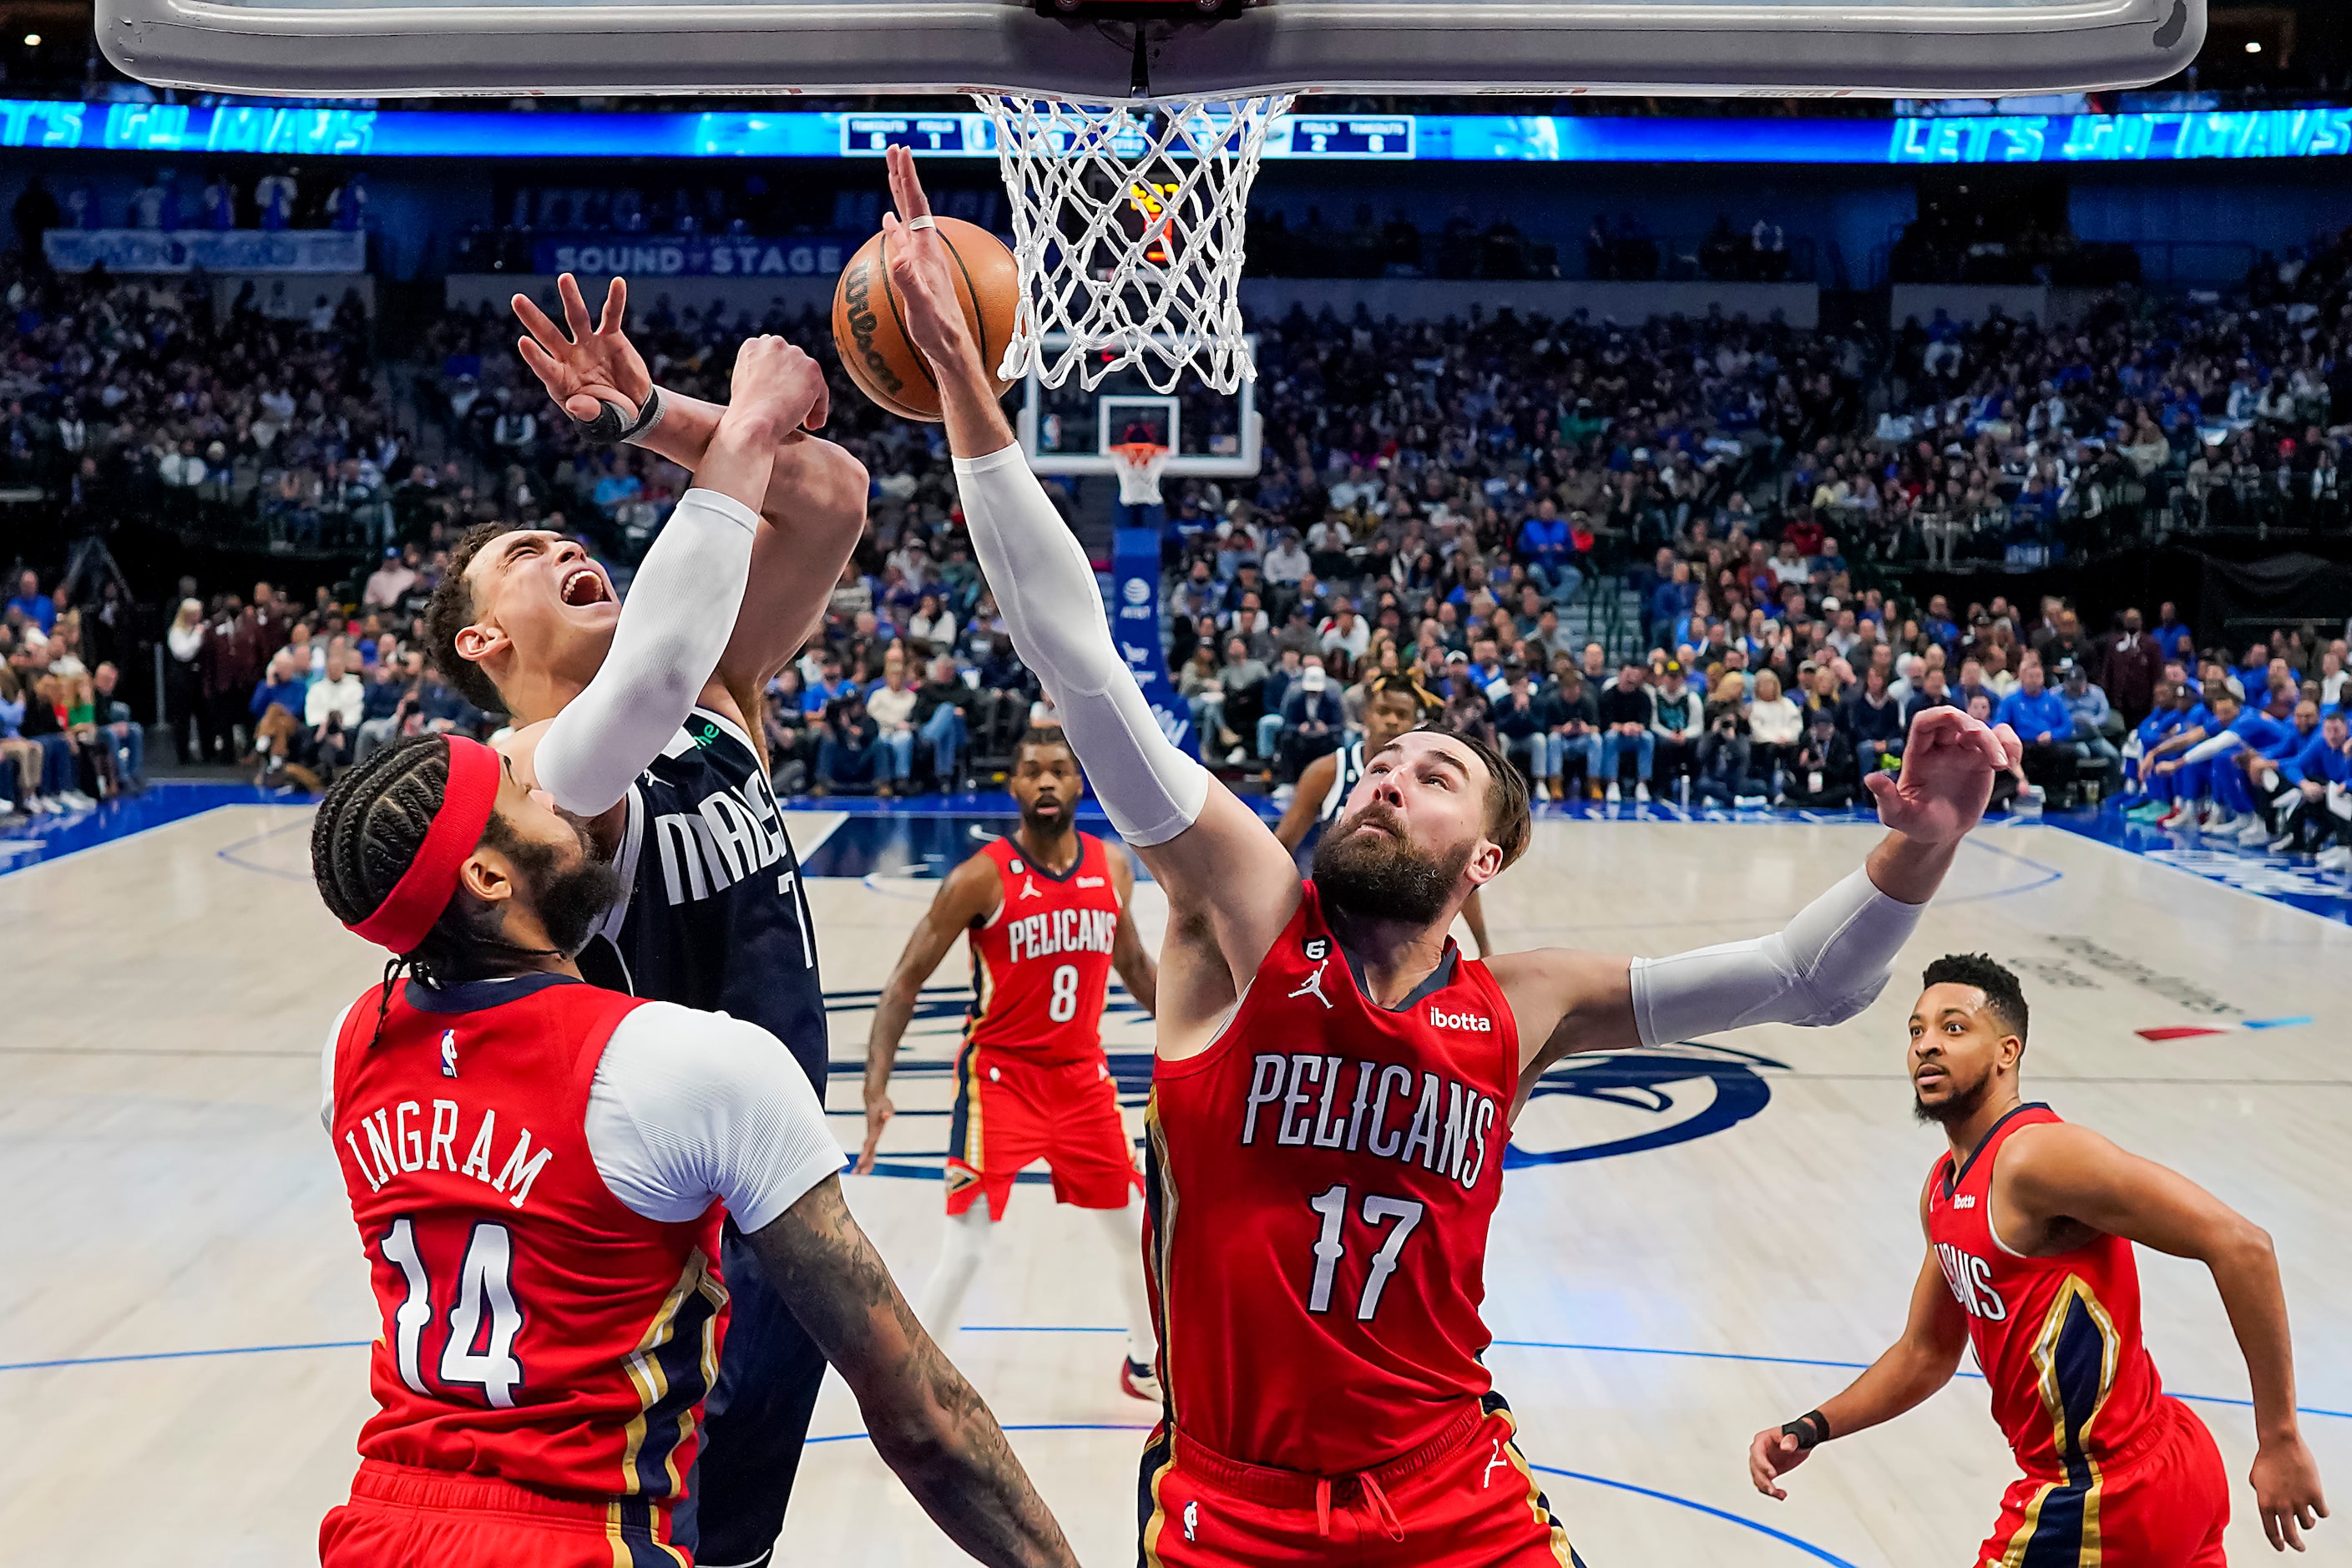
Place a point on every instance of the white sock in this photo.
(965, 1243)
(1125, 1227)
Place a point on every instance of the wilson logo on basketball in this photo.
(856, 290)
(1446, 1020)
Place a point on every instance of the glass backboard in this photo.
(1066, 430)
(421, 48)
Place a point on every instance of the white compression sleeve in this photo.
(1831, 963)
(680, 614)
(1045, 588)
(2213, 746)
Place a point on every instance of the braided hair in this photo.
(370, 828)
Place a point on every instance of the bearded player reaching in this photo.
(1046, 912)
(2029, 1225)
(1336, 1082)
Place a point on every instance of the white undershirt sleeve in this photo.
(680, 614)
(689, 1106)
(327, 1070)
(2212, 746)
(1045, 588)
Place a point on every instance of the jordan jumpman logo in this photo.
(1314, 986)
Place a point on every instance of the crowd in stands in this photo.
(66, 737)
(141, 398)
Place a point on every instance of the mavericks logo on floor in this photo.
(1650, 1099)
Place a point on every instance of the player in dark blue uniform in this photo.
(642, 726)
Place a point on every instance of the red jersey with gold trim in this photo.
(1320, 1183)
(1041, 965)
(535, 1330)
(2057, 1338)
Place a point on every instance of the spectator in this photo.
(1678, 719)
(117, 730)
(33, 604)
(1312, 722)
(2130, 664)
(1627, 713)
(2040, 718)
(1572, 714)
(1776, 728)
(1874, 721)
(1518, 719)
(891, 707)
(333, 711)
(1723, 763)
(939, 718)
(849, 753)
(1826, 775)
(2091, 717)
(389, 584)
(184, 682)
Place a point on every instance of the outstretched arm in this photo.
(926, 1421)
(1230, 887)
(813, 505)
(1912, 1368)
(672, 634)
(1829, 962)
(968, 896)
(2061, 1172)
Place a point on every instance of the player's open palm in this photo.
(1773, 1453)
(585, 366)
(770, 374)
(2286, 1491)
(1948, 763)
(920, 267)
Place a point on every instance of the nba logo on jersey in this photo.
(1192, 1520)
(448, 1053)
(1317, 948)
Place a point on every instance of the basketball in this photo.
(869, 325)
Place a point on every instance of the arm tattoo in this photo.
(927, 1422)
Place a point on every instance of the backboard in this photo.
(1066, 430)
(423, 47)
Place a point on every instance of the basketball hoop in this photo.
(1141, 463)
(1127, 225)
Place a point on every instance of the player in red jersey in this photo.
(1336, 1082)
(1047, 917)
(538, 1169)
(2030, 1226)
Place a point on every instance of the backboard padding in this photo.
(424, 47)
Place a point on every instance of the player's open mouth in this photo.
(584, 586)
(1928, 1077)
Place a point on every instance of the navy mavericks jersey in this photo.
(715, 916)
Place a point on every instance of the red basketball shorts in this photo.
(1466, 1500)
(403, 1517)
(1011, 1113)
(2163, 1502)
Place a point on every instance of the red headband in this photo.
(424, 889)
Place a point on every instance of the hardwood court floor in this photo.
(1688, 1231)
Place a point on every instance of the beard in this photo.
(569, 898)
(1955, 1107)
(1044, 824)
(1385, 876)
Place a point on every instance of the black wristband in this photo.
(607, 429)
(1811, 1430)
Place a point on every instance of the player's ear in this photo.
(487, 876)
(478, 643)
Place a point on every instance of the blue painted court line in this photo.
(182, 1356)
(1782, 1536)
(34, 841)
(2296, 884)
(1090, 1329)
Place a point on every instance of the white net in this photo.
(1127, 224)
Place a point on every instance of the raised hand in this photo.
(1772, 1454)
(1948, 764)
(920, 270)
(777, 380)
(585, 367)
